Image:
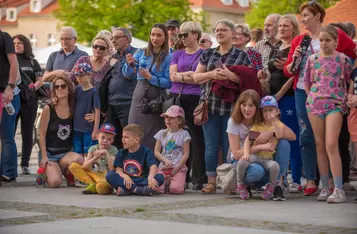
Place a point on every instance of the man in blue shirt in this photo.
(62, 61)
(121, 88)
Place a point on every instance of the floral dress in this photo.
(327, 77)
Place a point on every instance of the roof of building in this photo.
(48, 10)
(13, 3)
(219, 6)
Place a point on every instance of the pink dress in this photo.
(327, 77)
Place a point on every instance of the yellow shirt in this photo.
(261, 128)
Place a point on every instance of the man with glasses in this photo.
(121, 88)
(173, 29)
(205, 41)
(62, 61)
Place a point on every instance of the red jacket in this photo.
(345, 45)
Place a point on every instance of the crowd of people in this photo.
(146, 121)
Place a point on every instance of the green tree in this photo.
(262, 8)
(88, 17)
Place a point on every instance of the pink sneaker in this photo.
(243, 192)
(268, 192)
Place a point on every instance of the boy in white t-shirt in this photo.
(172, 149)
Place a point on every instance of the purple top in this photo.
(97, 76)
(184, 62)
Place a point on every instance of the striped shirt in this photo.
(256, 59)
(266, 49)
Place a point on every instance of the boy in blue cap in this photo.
(87, 101)
(98, 163)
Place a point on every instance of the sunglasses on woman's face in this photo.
(99, 46)
(202, 41)
(62, 86)
(183, 35)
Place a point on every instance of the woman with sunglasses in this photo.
(313, 15)
(56, 134)
(212, 69)
(152, 66)
(30, 67)
(205, 42)
(98, 61)
(183, 64)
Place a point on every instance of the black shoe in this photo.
(250, 191)
(6, 179)
(278, 194)
(197, 186)
(355, 200)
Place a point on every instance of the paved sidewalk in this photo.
(26, 208)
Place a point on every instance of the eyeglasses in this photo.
(99, 46)
(118, 37)
(223, 30)
(66, 38)
(183, 35)
(62, 86)
(202, 41)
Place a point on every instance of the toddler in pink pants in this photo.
(172, 149)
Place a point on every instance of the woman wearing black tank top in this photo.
(56, 131)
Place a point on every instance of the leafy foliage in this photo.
(262, 8)
(90, 16)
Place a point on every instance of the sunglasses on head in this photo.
(62, 86)
(202, 41)
(99, 46)
(311, 3)
(183, 35)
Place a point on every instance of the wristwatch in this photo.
(11, 85)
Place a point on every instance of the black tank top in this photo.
(59, 133)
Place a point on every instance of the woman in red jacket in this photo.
(313, 15)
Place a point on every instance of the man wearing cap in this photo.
(62, 61)
(173, 29)
(205, 41)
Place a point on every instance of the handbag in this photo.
(200, 114)
(175, 100)
(103, 90)
(26, 93)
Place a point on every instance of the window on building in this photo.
(33, 40)
(11, 14)
(35, 6)
(51, 40)
(227, 2)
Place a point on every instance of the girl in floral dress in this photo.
(327, 73)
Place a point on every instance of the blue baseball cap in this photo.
(268, 101)
(82, 69)
(107, 128)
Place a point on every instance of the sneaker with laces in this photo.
(338, 196)
(26, 171)
(323, 194)
(268, 192)
(278, 194)
(295, 188)
(242, 191)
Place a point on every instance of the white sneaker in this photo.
(295, 188)
(338, 196)
(324, 194)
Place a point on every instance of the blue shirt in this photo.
(161, 75)
(58, 60)
(135, 164)
(121, 88)
(86, 102)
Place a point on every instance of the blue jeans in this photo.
(307, 140)
(8, 164)
(289, 118)
(256, 174)
(215, 137)
(115, 180)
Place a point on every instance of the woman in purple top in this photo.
(182, 66)
(98, 61)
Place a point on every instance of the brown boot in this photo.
(211, 186)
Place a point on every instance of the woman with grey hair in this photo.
(212, 73)
(183, 64)
(98, 61)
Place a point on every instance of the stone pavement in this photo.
(26, 208)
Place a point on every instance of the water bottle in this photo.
(41, 176)
(9, 107)
(143, 63)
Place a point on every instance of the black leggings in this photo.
(27, 114)
(343, 143)
(196, 160)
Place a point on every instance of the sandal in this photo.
(209, 189)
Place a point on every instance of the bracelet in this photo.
(182, 78)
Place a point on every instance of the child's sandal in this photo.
(209, 189)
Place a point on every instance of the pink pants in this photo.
(1, 105)
(176, 185)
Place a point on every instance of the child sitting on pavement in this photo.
(172, 149)
(135, 166)
(98, 162)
